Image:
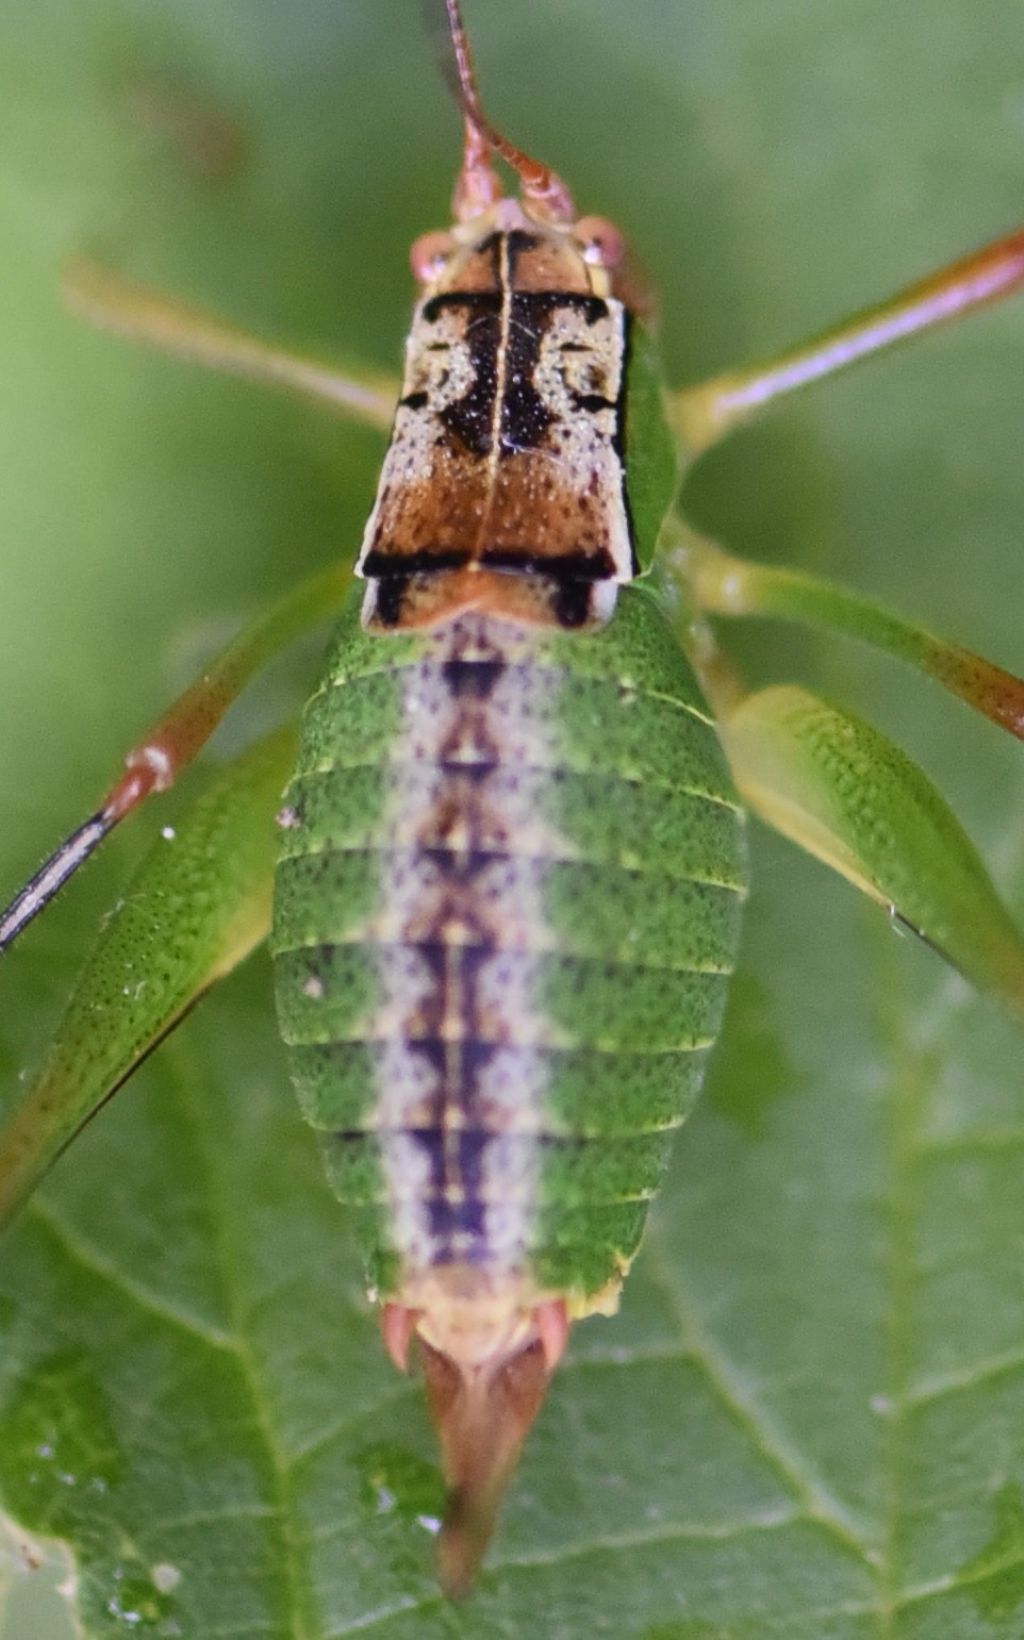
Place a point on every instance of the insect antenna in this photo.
(478, 187)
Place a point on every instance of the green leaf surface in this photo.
(808, 1421)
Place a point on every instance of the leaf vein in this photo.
(404, 1390)
(957, 1581)
(736, 1396)
(191, 1094)
(89, 1258)
(930, 1390)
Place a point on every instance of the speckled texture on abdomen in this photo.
(506, 909)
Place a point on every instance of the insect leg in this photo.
(710, 410)
(723, 584)
(841, 790)
(155, 761)
(198, 904)
(143, 314)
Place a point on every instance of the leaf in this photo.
(806, 1422)
(199, 904)
(848, 796)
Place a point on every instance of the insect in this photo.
(525, 763)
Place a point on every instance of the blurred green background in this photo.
(808, 1420)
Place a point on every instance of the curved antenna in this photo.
(477, 186)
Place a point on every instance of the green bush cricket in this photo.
(505, 650)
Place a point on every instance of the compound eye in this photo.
(603, 244)
(428, 255)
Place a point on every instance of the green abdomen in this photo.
(507, 909)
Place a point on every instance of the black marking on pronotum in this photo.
(592, 402)
(572, 602)
(517, 243)
(476, 301)
(495, 246)
(525, 419)
(621, 435)
(593, 308)
(378, 565)
(489, 301)
(391, 591)
(582, 564)
(469, 419)
(571, 605)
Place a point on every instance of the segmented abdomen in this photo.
(506, 910)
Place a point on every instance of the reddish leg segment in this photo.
(155, 762)
(706, 413)
(721, 583)
(112, 302)
(198, 904)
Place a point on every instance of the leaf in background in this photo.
(808, 1421)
